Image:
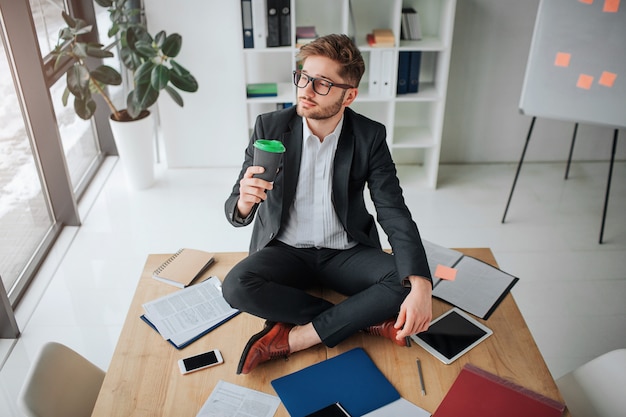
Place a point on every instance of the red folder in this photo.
(478, 393)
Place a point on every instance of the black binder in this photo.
(414, 71)
(273, 23)
(246, 23)
(285, 22)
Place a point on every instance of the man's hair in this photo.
(340, 49)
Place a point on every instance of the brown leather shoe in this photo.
(386, 329)
(270, 343)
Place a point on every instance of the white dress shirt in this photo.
(312, 220)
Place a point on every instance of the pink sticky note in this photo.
(445, 272)
(607, 79)
(562, 59)
(611, 6)
(584, 81)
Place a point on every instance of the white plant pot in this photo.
(135, 145)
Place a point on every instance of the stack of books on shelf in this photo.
(410, 25)
(261, 90)
(266, 23)
(304, 35)
(381, 38)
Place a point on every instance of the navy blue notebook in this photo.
(351, 379)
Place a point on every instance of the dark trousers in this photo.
(273, 282)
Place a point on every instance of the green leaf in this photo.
(159, 77)
(80, 50)
(104, 3)
(69, 20)
(130, 59)
(145, 49)
(66, 34)
(113, 30)
(186, 83)
(82, 29)
(84, 108)
(106, 75)
(159, 39)
(78, 80)
(179, 69)
(96, 51)
(175, 96)
(143, 74)
(171, 46)
(140, 99)
(66, 95)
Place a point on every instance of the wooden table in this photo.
(143, 378)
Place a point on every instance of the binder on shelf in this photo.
(273, 23)
(503, 398)
(387, 73)
(259, 23)
(375, 73)
(246, 23)
(284, 9)
(404, 60)
(410, 24)
(414, 71)
(182, 268)
(262, 90)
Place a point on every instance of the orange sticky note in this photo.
(584, 81)
(445, 272)
(607, 79)
(586, 1)
(562, 59)
(611, 6)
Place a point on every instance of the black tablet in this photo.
(451, 335)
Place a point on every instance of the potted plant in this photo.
(154, 70)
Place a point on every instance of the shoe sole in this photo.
(252, 341)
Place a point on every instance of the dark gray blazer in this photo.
(362, 158)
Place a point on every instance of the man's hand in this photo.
(252, 190)
(416, 311)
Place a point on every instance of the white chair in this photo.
(597, 388)
(60, 383)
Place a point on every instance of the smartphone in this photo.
(201, 361)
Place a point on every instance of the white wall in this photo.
(482, 121)
(211, 129)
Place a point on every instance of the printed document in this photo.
(231, 400)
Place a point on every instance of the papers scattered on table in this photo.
(185, 315)
(234, 400)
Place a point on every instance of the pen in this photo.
(419, 371)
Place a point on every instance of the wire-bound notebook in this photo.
(182, 268)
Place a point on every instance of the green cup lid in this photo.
(268, 145)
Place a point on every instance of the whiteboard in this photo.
(576, 69)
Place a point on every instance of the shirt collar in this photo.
(306, 132)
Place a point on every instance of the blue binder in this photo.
(404, 61)
(414, 71)
(351, 379)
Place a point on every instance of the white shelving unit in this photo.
(414, 121)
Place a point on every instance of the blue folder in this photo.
(351, 379)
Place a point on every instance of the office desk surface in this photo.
(143, 378)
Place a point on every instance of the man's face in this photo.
(315, 106)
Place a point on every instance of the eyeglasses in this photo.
(320, 85)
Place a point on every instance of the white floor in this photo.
(571, 289)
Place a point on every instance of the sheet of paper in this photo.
(231, 400)
(188, 310)
(400, 407)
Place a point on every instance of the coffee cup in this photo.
(268, 153)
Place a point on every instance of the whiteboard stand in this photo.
(608, 183)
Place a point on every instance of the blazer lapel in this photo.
(342, 166)
(292, 140)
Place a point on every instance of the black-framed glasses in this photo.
(320, 85)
